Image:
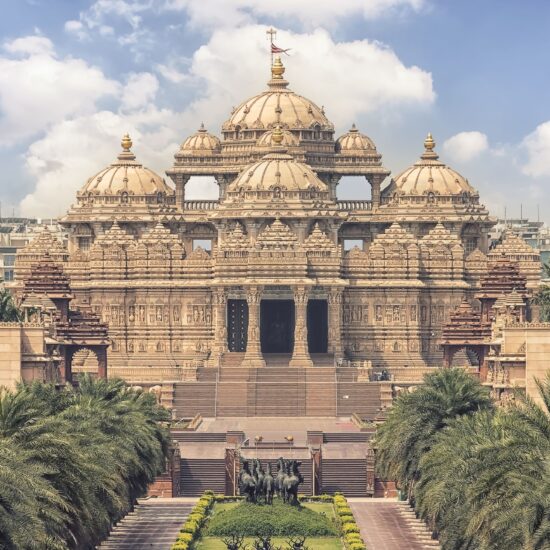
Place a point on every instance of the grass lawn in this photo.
(315, 543)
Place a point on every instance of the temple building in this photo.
(266, 275)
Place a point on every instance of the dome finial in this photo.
(429, 146)
(126, 155)
(202, 128)
(277, 69)
(353, 128)
(277, 135)
(429, 143)
(126, 143)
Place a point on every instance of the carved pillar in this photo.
(334, 180)
(180, 180)
(376, 181)
(219, 300)
(253, 356)
(300, 355)
(335, 322)
(101, 355)
(222, 184)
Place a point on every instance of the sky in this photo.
(75, 75)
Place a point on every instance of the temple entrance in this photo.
(237, 325)
(277, 326)
(317, 326)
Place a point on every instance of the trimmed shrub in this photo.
(350, 528)
(277, 520)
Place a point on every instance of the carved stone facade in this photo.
(164, 272)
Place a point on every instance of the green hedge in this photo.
(348, 525)
(190, 529)
(277, 520)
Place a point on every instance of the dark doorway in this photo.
(317, 326)
(277, 326)
(237, 325)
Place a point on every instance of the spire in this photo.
(277, 71)
(126, 144)
(429, 145)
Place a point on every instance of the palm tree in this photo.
(542, 299)
(9, 312)
(84, 455)
(417, 417)
(485, 482)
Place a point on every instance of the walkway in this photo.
(387, 524)
(153, 525)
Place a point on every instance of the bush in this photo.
(280, 519)
(350, 528)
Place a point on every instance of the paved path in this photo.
(386, 524)
(153, 525)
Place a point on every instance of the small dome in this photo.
(354, 143)
(200, 143)
(277, 170)
(126, 175)
(278, 137)
(429, 176)
(278, 106)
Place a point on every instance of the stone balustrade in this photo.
(200, 205)
(354, 205)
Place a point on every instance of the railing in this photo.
(200, 205)
(354, 205)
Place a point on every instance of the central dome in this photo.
(277, 170)
(277, 106)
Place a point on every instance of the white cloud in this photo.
(466, 146)
(30, 45)
(537, 147)
(38, 89)
(140, 89)
(309, 13)
(171, 73)
(76, 28)
(349, 78)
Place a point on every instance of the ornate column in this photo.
(222, 184)
(219, 301)
(300, 355)
(180, 180)
(335, 322)
(101, 355)
(253, 356)
(376, 181)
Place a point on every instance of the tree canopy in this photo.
(481, 477)
(73, 461)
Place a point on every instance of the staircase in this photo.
(423, 534)
(349, 476)
(202, 474)
(191, 398)
(154, 524)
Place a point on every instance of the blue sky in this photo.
(75, 75)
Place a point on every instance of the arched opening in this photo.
(85, 361)
(202, 188)
(353, 188)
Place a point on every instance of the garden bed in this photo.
(326, 523)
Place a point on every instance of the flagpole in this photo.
(271, 32)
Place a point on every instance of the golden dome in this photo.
(278, 106)
(277, 170)
(127, 176)
(277, 136)
(200, 143)
(429, 176)
(354, 142)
